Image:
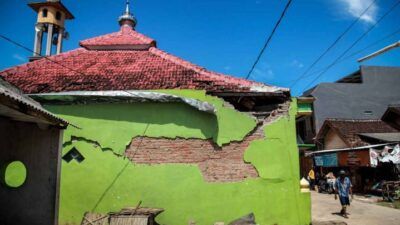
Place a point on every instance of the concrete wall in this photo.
(379, 88)
(36, 201)
(167, 155)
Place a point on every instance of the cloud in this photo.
(297, 64)
(355, 7)
(264, 71)
(227, 68)
(19, 57)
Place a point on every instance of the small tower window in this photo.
(58, 15)
(44, 13)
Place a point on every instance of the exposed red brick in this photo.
(217, 164)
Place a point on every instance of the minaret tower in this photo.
(127, 18)
(51, 19)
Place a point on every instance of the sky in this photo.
(227, 35)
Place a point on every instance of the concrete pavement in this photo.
(326, 208)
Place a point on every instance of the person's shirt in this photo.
(311, 175)
(343, 188)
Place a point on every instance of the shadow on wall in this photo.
(169, 120)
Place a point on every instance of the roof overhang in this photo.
(86, 97)
(386, 137)
(58, 5)
(16, 106)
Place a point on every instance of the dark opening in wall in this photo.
(44, 13)
(58, 16)
(73, 154)
(15, 174)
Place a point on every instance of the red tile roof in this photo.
(125, 39)
(125, 60)
(349, 130)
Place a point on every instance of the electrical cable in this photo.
(333, 44)
(352, 45)
(269, 38)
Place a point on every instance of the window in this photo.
(44, 13)
(58, 16)
(15, 174)
(368, 112)
(73, 154)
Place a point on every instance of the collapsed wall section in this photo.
(217, 164)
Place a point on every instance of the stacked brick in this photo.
(217, 164)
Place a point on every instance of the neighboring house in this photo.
(348, 144)
(342, 133)
(364, 94)
(30, 143)
(156, 129)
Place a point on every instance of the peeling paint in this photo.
(174, 121)
(106, 182)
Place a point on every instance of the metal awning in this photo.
(17, 106)
(348, 149)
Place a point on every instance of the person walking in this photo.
(343, 187)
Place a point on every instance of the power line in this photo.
(333, 44)
(355, 52)
(353, 44)
(269, 38)
(45, 57)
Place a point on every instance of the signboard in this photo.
(354, 158)
(326, 160)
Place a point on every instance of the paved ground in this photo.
(325, 208)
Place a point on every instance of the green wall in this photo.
(105, 181)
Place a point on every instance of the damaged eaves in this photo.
(254, 101)
(86, 97)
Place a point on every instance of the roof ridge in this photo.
(124, 39)
(175, 59)
(211, 74)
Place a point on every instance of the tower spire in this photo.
(127, 11)
(127, 18)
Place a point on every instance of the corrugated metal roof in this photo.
(14, 104)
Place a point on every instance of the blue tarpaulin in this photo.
(326, 160)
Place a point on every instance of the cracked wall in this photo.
(217, 164)
(106, 181)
